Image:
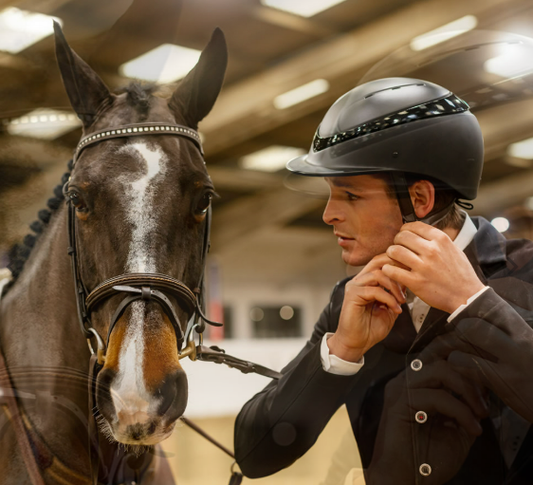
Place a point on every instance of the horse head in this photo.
(139, 207)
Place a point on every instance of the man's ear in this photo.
(423, 197)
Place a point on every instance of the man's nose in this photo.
(332, 212)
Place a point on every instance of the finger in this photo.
(371, 294)
(424, 230)
(404, 256)
(375, 263)
(442, 402)
(377, 278)
(441, 374)
(398, 264)
(412, 241)
(402, 276)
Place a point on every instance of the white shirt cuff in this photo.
(335, 365)
(470, 300)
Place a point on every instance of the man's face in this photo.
(364, 218)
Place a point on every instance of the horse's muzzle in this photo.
(140, 418)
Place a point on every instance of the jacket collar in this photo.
(488, 246)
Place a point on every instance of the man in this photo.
(428, 346)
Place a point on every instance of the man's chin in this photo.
(354, 260)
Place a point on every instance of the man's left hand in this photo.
(439, 272)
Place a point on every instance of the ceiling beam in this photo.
(247, 106)
(292, 22)
(494, 197)
(243, 180)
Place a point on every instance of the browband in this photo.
(138, 129)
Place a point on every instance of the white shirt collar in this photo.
(466, 234)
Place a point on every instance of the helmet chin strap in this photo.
(406, 205)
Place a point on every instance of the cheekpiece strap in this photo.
(138, 129)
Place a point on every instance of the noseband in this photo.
(138, 286)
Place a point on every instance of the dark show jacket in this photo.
(279, 424)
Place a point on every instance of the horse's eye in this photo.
(204, 203)
(76, 200)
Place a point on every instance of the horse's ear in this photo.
(196, 94)
(86, 91)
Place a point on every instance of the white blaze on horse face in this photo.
(133, 403)
(140, 197)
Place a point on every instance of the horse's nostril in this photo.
(175, 394)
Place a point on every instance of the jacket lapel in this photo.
(432, 327)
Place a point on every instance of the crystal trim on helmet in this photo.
(438, 107)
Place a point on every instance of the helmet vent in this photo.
(394, 88)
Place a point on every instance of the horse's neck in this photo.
(46, 353)
(38, 315)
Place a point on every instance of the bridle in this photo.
(138, 286)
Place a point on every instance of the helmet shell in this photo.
(445, 146)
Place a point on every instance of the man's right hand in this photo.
(370, 308)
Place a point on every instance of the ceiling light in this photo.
(301, 93)
(515, 60)
(500, 223)
(164, 64)
(20, 29)
(448, 31)
(521, 149)
(43, 123)
(303, 8)
(270, 159)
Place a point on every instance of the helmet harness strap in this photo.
(406, 205)
(404, 198)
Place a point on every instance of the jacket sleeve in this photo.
(279, 424)
(493, 344)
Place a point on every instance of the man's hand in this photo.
(370, 308)
(438, 272)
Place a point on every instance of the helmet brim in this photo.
(302, 166)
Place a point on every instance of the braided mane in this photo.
(20, 252)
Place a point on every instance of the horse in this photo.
(133, 232)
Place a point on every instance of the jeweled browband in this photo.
(138, 129)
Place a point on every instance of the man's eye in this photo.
(351, 196)
(204, 203)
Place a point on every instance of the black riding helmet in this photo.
(398, 125)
